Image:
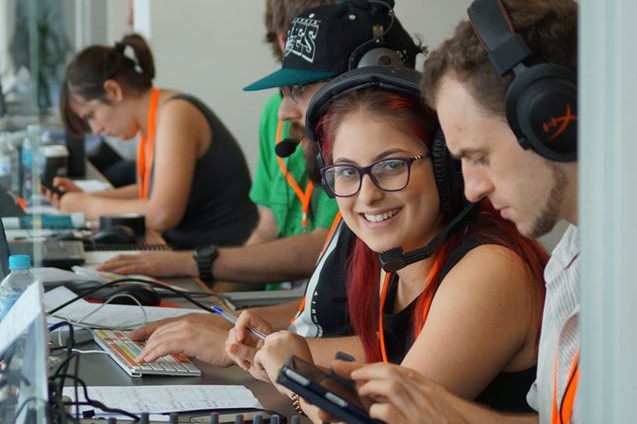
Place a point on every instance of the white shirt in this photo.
(560, 336)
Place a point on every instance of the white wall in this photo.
(608, 206)
(213, 48)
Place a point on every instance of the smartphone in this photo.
(333, 394)
(49, 186)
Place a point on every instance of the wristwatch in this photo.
(204, 256)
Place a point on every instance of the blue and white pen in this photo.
(231, 318)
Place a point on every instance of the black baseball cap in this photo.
(326, 41)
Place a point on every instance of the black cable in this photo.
(70, 342)
(93, 402)
(65, 362)
(77, 372)
(87, 292)
(58, 413)
(355, 54)
(24, 404)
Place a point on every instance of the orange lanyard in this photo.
(337, 220)
(562, 415)
(304, 197)
(383, 296)
(146, 148)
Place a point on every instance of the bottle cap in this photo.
(19, 262)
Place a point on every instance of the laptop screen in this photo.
(24, 391)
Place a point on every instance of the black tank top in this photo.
(506, 392)
(219, 210)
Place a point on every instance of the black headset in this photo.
(541, 101)
(399, 80)
(375, 51)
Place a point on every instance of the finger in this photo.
(231, 352)
(153, 351)
(161, 346)
(142, 333)
(244, 352)
(389, 413)
(345, 368)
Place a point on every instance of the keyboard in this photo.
(123, 350)
(90, 246)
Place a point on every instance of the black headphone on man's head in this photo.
(541, 101)
(399, 80)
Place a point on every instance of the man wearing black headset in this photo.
(504, 87)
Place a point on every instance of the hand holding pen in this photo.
(231, 318)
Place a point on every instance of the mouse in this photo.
(115, 234)
(144, 294)
(63, 236)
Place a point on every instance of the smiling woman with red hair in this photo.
(467, 316)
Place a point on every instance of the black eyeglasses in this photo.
(294, 92)
(388, 175)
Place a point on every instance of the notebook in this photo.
(123, 350)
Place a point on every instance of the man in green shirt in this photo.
(294, 214)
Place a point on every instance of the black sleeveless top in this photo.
(219, 210)
(326, 313)
(506, 392)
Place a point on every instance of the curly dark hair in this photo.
(549, 29)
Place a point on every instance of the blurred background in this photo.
(210, 48)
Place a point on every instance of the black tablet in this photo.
(330, 392)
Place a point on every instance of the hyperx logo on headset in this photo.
(557, 125)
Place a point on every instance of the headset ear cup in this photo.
(541, 108)
(448, 175)
(380, 56)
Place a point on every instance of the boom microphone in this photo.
(394, 259)
(286, 147)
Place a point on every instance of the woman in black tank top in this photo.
(192, 178)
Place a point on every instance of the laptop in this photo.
(24, 390)
(50, 277)
(50, 253)
(60, 254)
(9, 204)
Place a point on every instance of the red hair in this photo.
(364, 273)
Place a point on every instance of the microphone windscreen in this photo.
(286, 147)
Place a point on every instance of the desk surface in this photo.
(101, 370)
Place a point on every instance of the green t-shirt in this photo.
(271, 189)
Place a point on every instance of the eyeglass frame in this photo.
(367, 170)
(294, 92)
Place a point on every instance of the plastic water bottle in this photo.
(29, 147)
(17, 281)
(9, 164)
